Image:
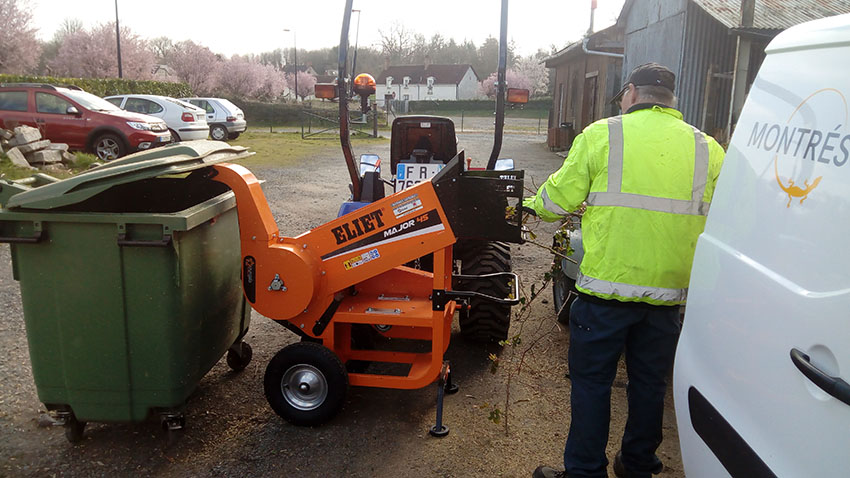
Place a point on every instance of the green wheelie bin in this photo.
(130, 283)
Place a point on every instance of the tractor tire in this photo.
(484, 321)
(306, 384)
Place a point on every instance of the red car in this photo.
(83, 121)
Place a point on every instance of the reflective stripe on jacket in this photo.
(648, 178)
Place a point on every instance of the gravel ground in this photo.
(231, 431)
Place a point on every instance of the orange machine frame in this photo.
(349, 271)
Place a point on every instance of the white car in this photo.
(226, 120)
(186, 121)
(760, 380)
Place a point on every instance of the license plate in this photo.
(163, 139)
(409, 174)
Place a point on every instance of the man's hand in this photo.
(528, 206)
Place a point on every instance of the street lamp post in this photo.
(118, 40)
(295, 45)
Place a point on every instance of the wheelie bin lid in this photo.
(173, 159)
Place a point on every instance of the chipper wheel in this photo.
(306, 383)
(485, 321)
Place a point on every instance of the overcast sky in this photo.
(254, 26)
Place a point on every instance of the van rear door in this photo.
(759, 380)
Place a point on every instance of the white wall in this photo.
(468, 87)
(416, 92)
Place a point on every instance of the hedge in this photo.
(473, 105)
(108, 86)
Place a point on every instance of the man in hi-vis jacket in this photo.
(647, 178)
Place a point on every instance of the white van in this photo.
(226, 120)
(759, 379)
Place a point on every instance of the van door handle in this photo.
(834, 386)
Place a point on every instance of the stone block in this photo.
(6, 134)
(18, 158)
(57, 146)
(34, 146)
(69, 158)
(24, 135)
(45, 156)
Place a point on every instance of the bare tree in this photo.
(19, 48)
(162, 48)
(398, 44)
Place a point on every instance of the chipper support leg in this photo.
(443, 383)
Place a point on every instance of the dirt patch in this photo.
(231, 431)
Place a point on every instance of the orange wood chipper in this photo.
(345, 283)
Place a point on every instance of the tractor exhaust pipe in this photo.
(501, 79)
(342, 87)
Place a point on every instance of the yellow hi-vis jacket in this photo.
(648, 178)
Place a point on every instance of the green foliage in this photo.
(493, 412)
(436, 107)
(108, 86)
(277, 114)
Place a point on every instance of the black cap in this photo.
(648, 74)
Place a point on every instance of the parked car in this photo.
(186, 121)
(83, 121)
(226, 120)
(762, 366)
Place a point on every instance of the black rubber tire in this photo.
(563, 291)
(232, 136)
(108, 147)
(74, 429)
(175, 138)
(218, 132)
(317, 362)
(485, 321)
(238, 362)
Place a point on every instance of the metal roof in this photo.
(774, 14)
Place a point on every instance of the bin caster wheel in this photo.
(74, 429)
(439, 432)
(238, 360)
(451, 388)
(174, 425)
(306, 383)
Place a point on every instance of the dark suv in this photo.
(83, 121)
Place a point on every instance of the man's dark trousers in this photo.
(599, 333)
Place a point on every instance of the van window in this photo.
(47, 103)
(141, 105)
(13, 100)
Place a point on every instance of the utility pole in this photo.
(742, 65)
(118, 40)
(295, 45)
